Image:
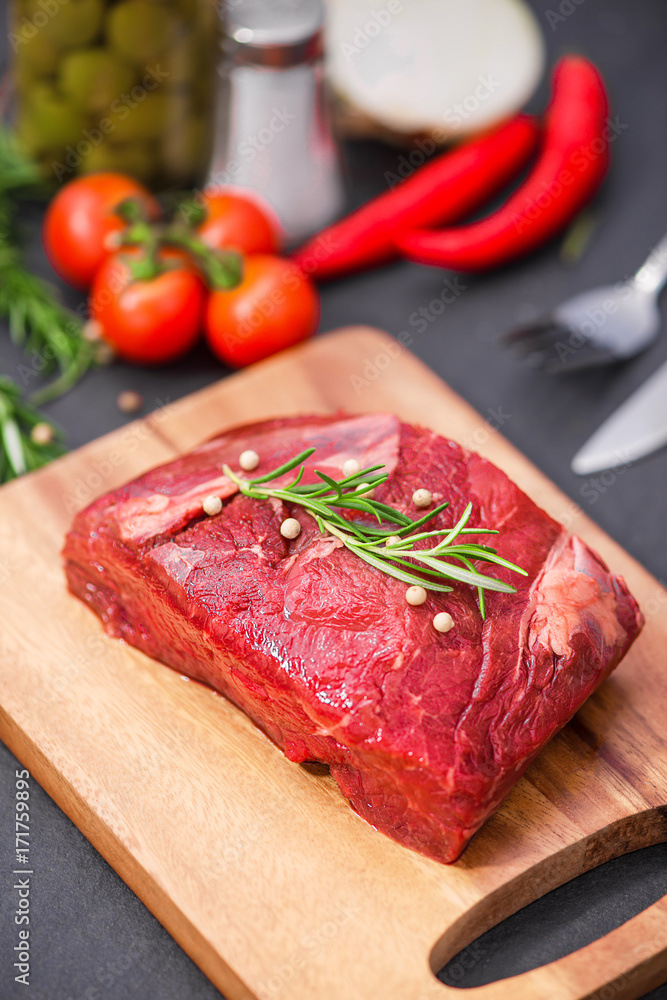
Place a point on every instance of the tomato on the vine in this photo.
(81, 218)
(150, 320)
(237, 221)
(274, 306)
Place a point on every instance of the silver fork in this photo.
(597, 327)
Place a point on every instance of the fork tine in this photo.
(535, 338)
(556, 348)
(518, 334)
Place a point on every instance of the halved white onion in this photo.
(443, 67)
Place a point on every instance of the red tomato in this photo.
(80, 219)
(153, 320)
(239, 222)
(273, 307)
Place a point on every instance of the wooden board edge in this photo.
(621, 965)
(623, 836)
(140, 881)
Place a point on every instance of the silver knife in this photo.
(637, 428)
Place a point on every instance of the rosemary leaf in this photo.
(277, 473)
(12, 443)
(399, 574)
(331, 483)
(425, 519)
(18, 452)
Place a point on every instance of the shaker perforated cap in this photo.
(275, 32)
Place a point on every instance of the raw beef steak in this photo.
(424, 732)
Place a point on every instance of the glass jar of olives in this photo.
(122, 85)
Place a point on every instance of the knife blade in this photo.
(637, 428)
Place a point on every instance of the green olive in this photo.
(144, 120)
(136, 159)
(35, 58)
(183, 60)
(47, 121)
(140, 30)
(93, 78)
(75, 23)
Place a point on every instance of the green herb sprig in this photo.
(388, 544)
(40, 324)
(38, 321)
(21, 450)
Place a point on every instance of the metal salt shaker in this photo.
(273, 134)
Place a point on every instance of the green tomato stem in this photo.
(223, 269)
(131, 210)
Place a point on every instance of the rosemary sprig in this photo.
(41, 325)
(21, 450)
(431, 568)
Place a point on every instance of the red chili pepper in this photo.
(569, 170)
(447, 189)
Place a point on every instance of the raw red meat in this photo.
(424, 732)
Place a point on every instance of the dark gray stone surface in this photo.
(90, 936)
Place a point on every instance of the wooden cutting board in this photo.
(257, 866)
